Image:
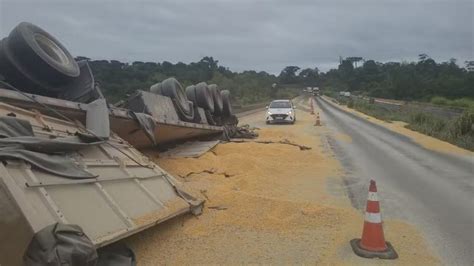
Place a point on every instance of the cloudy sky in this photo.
(260, 35)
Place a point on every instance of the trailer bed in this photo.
(121, 122)
(129, 194)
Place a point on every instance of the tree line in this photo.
(419, 80)
(118, 79)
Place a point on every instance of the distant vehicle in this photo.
(280, 111)
(345, 93)
(315, 91)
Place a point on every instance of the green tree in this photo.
(309, 76)
(288, 75)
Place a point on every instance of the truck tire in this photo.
(191, 94)
(226, 104)
(203, 97)
(156, 88)
(40, 56)
(217, 97)
(210, 118)
(172, 88)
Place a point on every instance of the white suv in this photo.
(281, 111)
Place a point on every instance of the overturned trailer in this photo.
(164, 126)
(123, 194)
(37, 72)
(49, 104)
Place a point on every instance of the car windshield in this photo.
(280, 105)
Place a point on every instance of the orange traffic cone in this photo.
(311, 104)
(372, 244)
(318, 121)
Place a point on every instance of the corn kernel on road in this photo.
(269, 204)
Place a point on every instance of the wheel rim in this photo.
(51, 49)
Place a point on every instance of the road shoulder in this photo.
(423, 140)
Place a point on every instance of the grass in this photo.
(331, 93)
(459, 103)
(373, 110)
(458, 131)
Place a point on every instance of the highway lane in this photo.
(434, 191)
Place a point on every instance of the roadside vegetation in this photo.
(444, 84)
(118, 79)
(420, 81)
(458, 131)
(458, 103)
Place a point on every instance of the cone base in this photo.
(388, 254)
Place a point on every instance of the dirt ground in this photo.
(269, 204)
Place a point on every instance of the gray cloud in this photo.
(259, 35)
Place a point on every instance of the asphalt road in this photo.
(432, 190)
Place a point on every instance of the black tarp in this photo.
(17, 141)
(60, 244)
(66, 244)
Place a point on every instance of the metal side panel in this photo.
(165, 132)
(14, 230)
(120, 120)
(168, 133)
(130, 193)
(158, 106)
(190, 149)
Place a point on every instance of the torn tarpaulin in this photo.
(62, 165)
(242, 132)
(13, 127)
(61, 244)
(67, 244)
(52, 155)
(52, 146)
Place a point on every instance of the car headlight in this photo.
(289, 113)
(269, 113)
